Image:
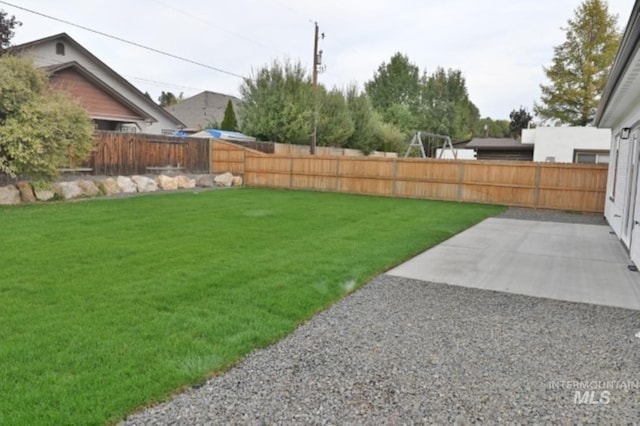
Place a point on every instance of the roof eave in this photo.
(627, 50)
(69, 39)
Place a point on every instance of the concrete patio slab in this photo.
(562, 261)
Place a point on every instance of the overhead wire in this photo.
(130, 77)
(123, 40)
(209, 23)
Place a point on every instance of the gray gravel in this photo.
(401, 351)
(554, 216)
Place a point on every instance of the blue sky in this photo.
(500, 45)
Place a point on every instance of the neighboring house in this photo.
(111, 101)
(505, 149)
(569, 144)
(619, 110)
(203, 110)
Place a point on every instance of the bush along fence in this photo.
(570, 187)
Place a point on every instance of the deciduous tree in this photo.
(396, 83)
(580, 66)
(490, 128)
(370, 131)
(40, 131)
(446, 107)
(335, 124)
(278, 103)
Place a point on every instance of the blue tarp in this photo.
(224, 135)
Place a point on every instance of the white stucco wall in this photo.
(561, 142)
(528, 136)
(45, 55)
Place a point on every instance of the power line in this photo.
(209, 23)
(130, 77)
(296, 11)
(164, 84)
(133, 43)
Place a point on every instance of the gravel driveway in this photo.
(401, 351)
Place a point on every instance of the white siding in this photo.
(615, 206)
(45, 55)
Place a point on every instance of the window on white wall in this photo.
(591, 157)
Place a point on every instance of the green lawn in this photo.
(109, 305)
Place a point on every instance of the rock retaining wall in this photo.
(26, 192)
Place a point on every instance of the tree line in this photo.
(279, 103)
(40, 130)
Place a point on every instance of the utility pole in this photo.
(315, 90)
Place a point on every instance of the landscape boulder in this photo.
(26, 192)
(145, 184)
(9, 195)
(205, 181)
(126, 185)
(44, 194)
(225, 179)
(89, 188)
(109, 186)
(185, 182)
(167, 183)
(68, 190)
(237, 181)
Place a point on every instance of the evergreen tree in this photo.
(580, 66)
(229, 121)
(519, 120)
(7, 27)
(167, 99)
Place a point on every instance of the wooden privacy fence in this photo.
(570, 187)
(136, 153)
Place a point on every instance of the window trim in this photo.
(596, 152)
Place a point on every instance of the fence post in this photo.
(395, 175)
(290, 171)
(210, 142)
(244, 163)
(536, 189)
(460, 181)
(337, 174)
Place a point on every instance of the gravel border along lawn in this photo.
(401, 351)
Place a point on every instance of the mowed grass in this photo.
(109, 305)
